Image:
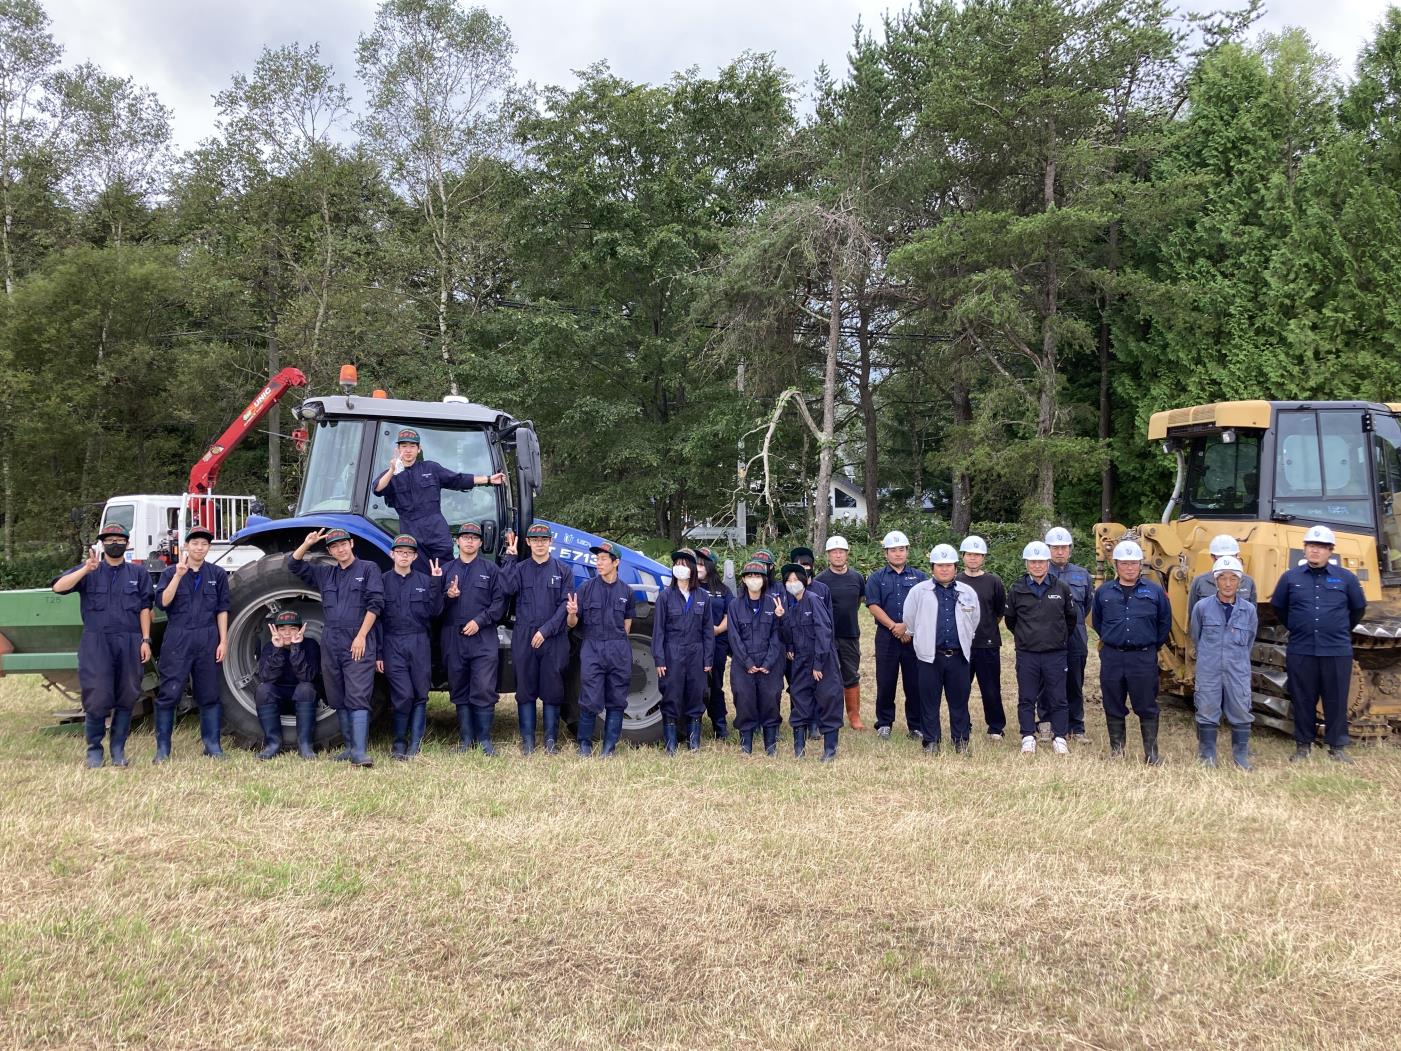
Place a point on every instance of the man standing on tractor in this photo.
(539, 640)
(195, 597)
(1320, 603)
(115, 604)
(1132, 618)
(414, 488)
(473, 609)
(352, 599)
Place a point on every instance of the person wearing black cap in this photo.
(539, 640)
(720, 598)
(289, 673)
(604, 608)
(115, 604)
(411, 601)
(195, 597)
(805, 558)
(683, 646)
(815, 680)
(352, 599)
(414, 487)
(474, 607)
(756, 672)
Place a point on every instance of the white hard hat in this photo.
(1127, 551)
(837, 543)
(1059, 535)
(1227, 564)
(943, 555)
(974, 545)
(1223, 544)
(1036, 550)
(895, 538)
(1319, 535)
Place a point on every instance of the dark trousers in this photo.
(408, 660)
(951, 675)
(987, 669)
(1074, 692)
(815, 703)
(349, 683)
(756, 698)
(1041, 674)
(849, 660)
(896, 661)
(715, 696)
(471, 661)
(109, 671)
(1131, 675)
(539, 673)
(1312, 679)
(684, 686)
(284, 696)
(605, 671)
(188, 656)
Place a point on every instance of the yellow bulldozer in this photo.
(1264, 471)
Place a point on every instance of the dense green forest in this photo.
(962, 270)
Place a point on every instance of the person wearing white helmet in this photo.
(1222, 628)
(986, 654)
(1204, 584)
(1132, 618)
(942, 617)
(1320, 603)
(896, 662)
(1041, 617)
(1082, 587)
(847, 586)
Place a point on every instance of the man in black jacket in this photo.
(1041, 616)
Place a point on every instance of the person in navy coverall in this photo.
(708, 577)
(414, 487)
(815, 679)
(539, 639)
(195, 596)
(115, 604)
(759, 654)
(411, 601)
(352, 599)
(473, 609)
(1320, 603)
(603, 610)
(289, 673)
(683, 646)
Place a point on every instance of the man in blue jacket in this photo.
(1320, 603)
(1132, 617)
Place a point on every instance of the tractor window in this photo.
(1321, 467)
(1223, 478)
(465, 451)
(334, 467)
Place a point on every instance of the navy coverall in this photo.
(894, 660)
(417, 494)
(346, 596)
(192, 635)
(541, 590)
(1320, 607)
(411, 602)
(1132, 622)
(755, 642)
(683, 642)
(472, 659)
(288, 674)
(807, 630)
(110, 602)
(605, 659)
(720, 599)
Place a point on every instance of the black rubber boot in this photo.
(418, 724)
(94, 729)
(669, 735)
(551, 729)
(165, 729)
(1339, 755)
(961, 748)
(270, 719)
(771, 740)
(525, 716)
(800, 741)
(612, 730)
(306, 729)
(746, 742)
(722, 729)
(1206, 746)
(121, 726)
(586, 725)
(1301, 754)
(466, 729)
(1118, 735)
(693, 731)
(211, 728)
(829, 746)
(399, 721)
(1149, 728)
(1240, 747)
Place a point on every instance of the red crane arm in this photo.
(205, 472)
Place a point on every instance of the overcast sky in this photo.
(186, 51)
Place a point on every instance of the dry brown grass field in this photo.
(711, 901)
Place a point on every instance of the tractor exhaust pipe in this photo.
(1178, 486)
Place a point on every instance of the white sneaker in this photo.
(994, 737)
(1060, 747)
(1028, 745)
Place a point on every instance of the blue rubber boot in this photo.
(94, 729)
(746, 742)
(551, 729)
(165, 727)
(418, 723)
(829, 746)
(525, 713)
(270, 719)
(771, 740)
(466, 732)
(347, 733)
(800, 741)
(306, 729)
(586, 725)
(693, 729)
(669, 735)
(482, 718)
(121, 726)
(211, 728)
(360, 738)
(1240, 748)
(612, 729)
(400, 721)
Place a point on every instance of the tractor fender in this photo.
(278, 535)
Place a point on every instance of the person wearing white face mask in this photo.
(756, 672)
(814, 678)
(683, 646)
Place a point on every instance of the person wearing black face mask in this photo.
(115, 602)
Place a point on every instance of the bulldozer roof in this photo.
(1248, 414)
(407, 411)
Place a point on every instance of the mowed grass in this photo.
(711, 901)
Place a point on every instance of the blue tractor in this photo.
(351, 438)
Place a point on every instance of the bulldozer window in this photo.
(1223, 478)
(1321, 467)
(1386, 446)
